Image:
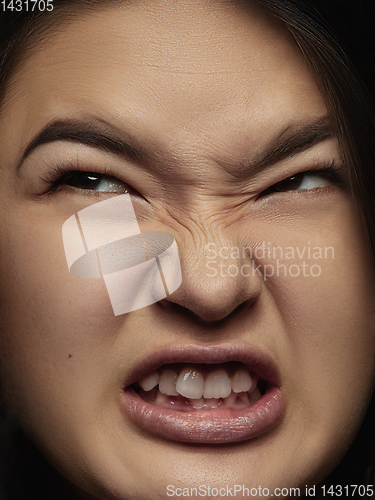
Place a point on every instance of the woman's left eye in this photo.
(304, 181)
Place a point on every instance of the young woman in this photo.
(240, 129)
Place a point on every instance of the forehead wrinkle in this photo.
(226, 33)
(186, 73)
(176, 25)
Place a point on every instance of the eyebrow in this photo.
(85, 133)
(292, 141)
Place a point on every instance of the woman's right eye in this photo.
(95, 182)
(90, 181)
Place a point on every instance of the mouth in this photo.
(196, 394)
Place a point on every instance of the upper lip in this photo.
(251, 356)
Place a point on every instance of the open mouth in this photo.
(187, 387)
(197, 394)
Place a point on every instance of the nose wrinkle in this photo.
(105, 241)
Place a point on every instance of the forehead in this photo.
(182, 67)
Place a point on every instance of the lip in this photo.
(214, 425)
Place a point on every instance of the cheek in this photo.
(38, 282)
(330, 321)
(50, 318)
(320, 274)
(323, 288)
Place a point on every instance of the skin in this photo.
(202, 87)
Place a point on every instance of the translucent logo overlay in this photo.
(139, 268)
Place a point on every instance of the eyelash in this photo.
(331, 171)
(58, 175)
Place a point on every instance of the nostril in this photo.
(206, 315)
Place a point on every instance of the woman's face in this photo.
(199, 109)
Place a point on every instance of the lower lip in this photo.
(207, 426)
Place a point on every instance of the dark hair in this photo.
(338, 41)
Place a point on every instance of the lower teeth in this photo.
(234, 401)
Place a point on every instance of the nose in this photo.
(214, 284)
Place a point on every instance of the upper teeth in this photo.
(191, 384)
(167, 383)
(241, 381)
(150, 382)
(217, 385)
